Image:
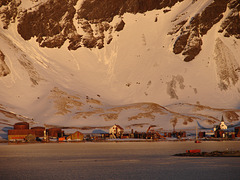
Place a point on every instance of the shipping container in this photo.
(194, 151)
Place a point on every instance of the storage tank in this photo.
(39, 131)
(21, 125)
(54, 132)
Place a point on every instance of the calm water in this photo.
(125, 160)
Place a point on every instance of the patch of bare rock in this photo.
(4, 69)
(52, 24)
(189, 41)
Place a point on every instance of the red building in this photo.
(237, 131)
(21, 131)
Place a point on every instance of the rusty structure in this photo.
(77, 136)
(39, 131)
(152, 134)
(237, 131)
(55, 132)
(21, 125)
(201, 134)
(21, 132)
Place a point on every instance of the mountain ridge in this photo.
(54, 55)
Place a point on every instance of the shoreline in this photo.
(119, 141)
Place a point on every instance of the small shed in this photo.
(30, 138)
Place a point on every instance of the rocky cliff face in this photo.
(9, 11)
(52, 24)
(231, 24)
(107, 9)
(189, 41)
(68, 61)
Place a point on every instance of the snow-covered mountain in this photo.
(91, 64)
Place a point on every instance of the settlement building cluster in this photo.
(22, 132)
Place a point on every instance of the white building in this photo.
(116, 130)
(221, 126)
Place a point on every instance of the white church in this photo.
(221, 126)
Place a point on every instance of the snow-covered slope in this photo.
(88, 65)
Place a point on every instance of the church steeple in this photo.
(222, 119)
(222, 124)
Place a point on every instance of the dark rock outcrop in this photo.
(231, 25)
(4, 69)
(189, 41)
(105, 10)
(8, 11)
(120, 26)
(52, 22)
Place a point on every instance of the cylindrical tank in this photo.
(38, 127)
(39, 131)
(21, 125)
(54, 132)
